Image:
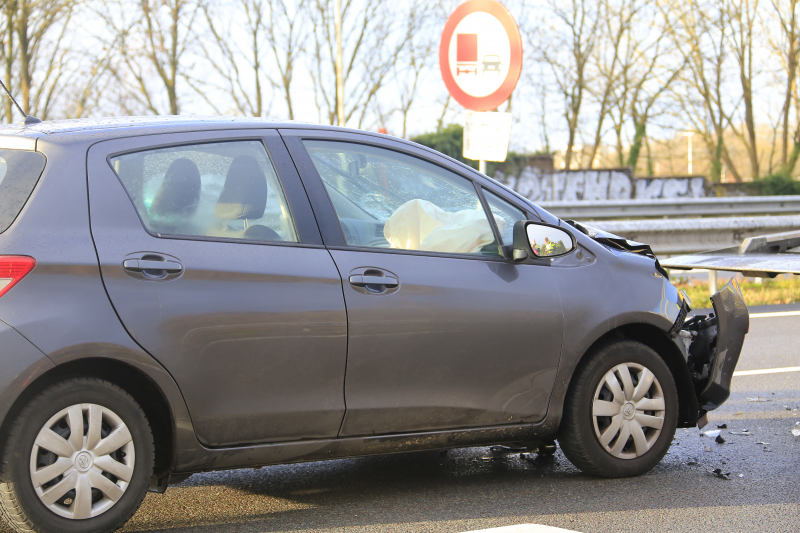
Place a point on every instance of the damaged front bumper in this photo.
(714, 343)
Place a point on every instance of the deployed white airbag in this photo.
(421, 225)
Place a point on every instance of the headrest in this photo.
(244, 195)
(179, 193)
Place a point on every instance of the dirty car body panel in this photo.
(267, 352)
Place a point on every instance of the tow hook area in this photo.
(713, 343)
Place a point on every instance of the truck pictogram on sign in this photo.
(466, 53)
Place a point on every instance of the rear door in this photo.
(211, 256)
(443, 332)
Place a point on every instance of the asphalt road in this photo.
(475, 488)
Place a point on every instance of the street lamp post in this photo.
(688, 136)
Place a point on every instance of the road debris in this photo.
(722, 426)
(796, 432)
(758, 399)
(720, 440)
(691, 463)
(720, 474)
(744, 432)
(712, 433)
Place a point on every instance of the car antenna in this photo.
(29, 119)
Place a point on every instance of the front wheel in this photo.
(78, 459)
(620, 412)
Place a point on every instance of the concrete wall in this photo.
(577, 185)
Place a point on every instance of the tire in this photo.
(618, 412)
(106, 471)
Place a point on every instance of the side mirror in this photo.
(536, 240)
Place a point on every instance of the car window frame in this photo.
(292, 187)
(328, 220)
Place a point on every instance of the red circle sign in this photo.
(480, 55)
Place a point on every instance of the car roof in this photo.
(148, 124)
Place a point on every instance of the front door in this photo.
(215, 266)
(443, 332)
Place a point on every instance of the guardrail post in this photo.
(712, 282)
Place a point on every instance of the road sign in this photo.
(480, 54)
(486, 136)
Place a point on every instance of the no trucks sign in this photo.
(480, 54)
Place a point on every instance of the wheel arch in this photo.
(657, 340)
(132, 380)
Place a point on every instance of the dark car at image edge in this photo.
(181, 294)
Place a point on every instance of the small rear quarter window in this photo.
(19, 172)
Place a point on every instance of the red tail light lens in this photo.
(12, 269)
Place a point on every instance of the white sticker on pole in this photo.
(486, 136)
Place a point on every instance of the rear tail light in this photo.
(12, 269)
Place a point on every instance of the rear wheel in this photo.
(78, 458)
(620, 412)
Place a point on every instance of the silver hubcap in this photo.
(628, 411)
(82, 461)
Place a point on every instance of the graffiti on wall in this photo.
(577, 185)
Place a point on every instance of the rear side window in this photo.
(226, 190)
(19, 172)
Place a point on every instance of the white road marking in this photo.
(767, 371)
(524, 528)
(777, 313)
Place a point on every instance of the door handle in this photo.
(360, 281)
(139, 265)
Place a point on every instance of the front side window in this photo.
(505, 214)
(227, 190)
(387, 199)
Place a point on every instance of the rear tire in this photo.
(84, 435)
(612, 427)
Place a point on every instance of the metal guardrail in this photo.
(674, 207)
(690, 235)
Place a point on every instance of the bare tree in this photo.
(741, 15)
(567, 50)
(609, 60)
(416, 58)
(151, 37)
(785, 45)
(649, 73)
(36, 52)
(374, 34)
(700, 33)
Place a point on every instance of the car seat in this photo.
(178, 196)
(244, 197)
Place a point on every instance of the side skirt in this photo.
(207, 459)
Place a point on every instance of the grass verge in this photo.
(768, 292)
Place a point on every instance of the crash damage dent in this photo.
(713, 344)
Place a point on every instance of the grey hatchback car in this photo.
(180, 295)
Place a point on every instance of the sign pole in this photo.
(480, 58)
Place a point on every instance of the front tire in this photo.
(620, 412)
(78, 458)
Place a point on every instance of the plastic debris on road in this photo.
(712, 433)
(720, 440)
(796, 432)
(722, 426)
(744, 433)
(758, 399)
(720, 474)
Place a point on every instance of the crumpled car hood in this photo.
(617, 242)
